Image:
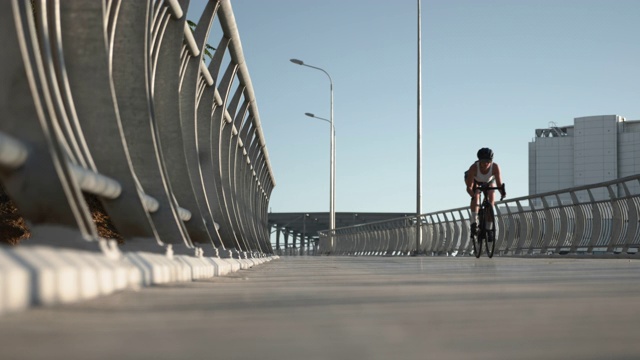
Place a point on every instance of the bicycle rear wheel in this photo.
(490, 231)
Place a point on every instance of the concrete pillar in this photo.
(295, 235)
(286, 239)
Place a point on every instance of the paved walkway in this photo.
(354, 308)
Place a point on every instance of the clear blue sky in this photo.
(493, 71)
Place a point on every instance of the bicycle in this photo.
(486, 228)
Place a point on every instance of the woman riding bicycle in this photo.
(483, 171)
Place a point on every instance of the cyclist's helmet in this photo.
(485, 154)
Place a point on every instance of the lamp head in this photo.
(296, 61)
(310, 114)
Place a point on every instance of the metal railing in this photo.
(114, 99)
(595, 219)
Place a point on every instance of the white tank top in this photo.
(484, 178)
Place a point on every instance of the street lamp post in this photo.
(419, 131)
(332, 183)
(317, 117)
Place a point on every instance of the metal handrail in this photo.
(550, 223)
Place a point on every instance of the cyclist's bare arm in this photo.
(471, 174)
(499, 183)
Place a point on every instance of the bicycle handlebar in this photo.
(484, 187)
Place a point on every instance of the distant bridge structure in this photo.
(296, 233)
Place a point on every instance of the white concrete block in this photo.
(115, 275)
(144, 267)
(48, 281)
(222, 267)
(208, 269)
(43, 275)
(214, 265)
(161, 271)
(244, 264)
(226, 266)
(66, 275)
(189, 261)
(15, 283)
(156, 268)
(199, 268)
(184, 272)
(88, 282)
(234, 263)
(251, 262)
(167, 269)
(107, 274)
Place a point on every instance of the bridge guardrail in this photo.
(117, 102)
(601, 218)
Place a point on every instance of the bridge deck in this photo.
(354, 308)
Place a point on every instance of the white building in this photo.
(594, 149)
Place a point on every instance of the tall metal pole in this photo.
(419, 165)
(332, 205)
(332, 171)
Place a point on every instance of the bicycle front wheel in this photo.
(490, 231)
(477, 245)
(477, 242)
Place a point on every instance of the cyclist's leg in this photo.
(491, 223)
(475, 203)
(491, 196)
(475, 206)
